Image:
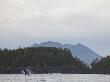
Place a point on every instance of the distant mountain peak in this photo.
(50, 42)
(80, 45)
(79, 50)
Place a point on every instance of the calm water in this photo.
(54, 78)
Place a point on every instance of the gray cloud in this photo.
(85, 21)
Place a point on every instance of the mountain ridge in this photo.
(79, 50)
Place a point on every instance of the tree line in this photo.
(101, 66)
(48, 60)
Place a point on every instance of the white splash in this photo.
(54, 78)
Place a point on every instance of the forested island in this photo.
(48, 60)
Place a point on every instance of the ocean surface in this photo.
(54, 78)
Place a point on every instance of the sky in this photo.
(25, 22)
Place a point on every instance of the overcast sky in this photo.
(24, 22)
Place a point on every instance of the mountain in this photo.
(84, 53)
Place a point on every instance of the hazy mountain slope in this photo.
(79, 50)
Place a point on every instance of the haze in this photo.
(24, 22)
